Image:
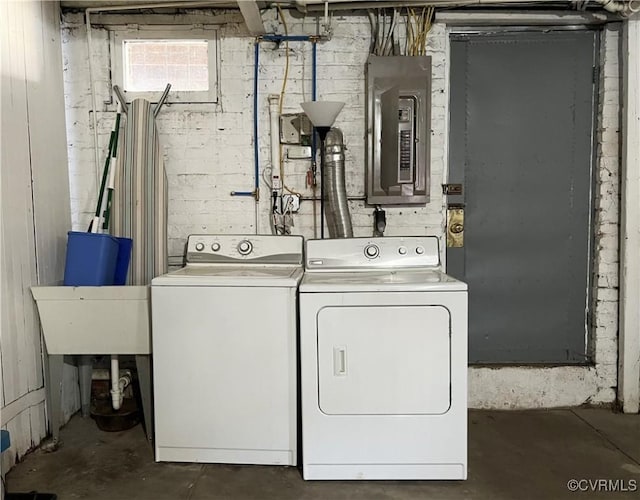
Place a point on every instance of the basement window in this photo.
(145, 61)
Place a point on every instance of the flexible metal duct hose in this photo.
(337, 212)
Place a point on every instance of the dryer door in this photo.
(384, 360)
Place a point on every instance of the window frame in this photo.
(171, 33)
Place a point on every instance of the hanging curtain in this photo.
(140, 195)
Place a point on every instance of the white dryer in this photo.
(383, 343)
(225, 351)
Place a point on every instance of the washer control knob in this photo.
(215, 246)
(419, 250)
(199, 247)
(371, 251)
(402, 250)
(245, 247)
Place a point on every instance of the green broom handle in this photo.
(114, 153)
(105, 175)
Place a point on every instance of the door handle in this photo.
(455, 226)
(340, 361)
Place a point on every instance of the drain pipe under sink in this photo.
(118, 383)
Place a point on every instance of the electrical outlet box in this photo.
(299, 152)
(290, 203)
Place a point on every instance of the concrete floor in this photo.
(516, 454)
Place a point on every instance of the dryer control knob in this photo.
(199, 247)
(245, 247)
(419, 250)
(371, 251)
(402, 250)
(215, 247)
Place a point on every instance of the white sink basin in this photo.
(94, 319)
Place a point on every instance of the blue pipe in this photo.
(314, 90)
(256, 166)
(273, 38)
(255, 118)
(314, 66)
(285, 38)
(314, 144)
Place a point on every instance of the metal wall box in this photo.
(295, 128)
(398, 129)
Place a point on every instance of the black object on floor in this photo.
(33, 495)
(111, 420)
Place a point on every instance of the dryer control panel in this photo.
(372, 253)
(243, 249)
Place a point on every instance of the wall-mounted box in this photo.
(295, 128)
(398, 129)
(299, 152)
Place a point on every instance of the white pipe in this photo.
(311, 3)
(116, 396)
(105, 374)
(118, 383)
(319, 5)
(274, 128)
(159, 5)
(612, 6)
(616, 6)
(93, 99)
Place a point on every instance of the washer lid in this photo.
(420, 280)
(231, 275)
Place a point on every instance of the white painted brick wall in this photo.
(209, 153)
(209, 149)
(604, 347)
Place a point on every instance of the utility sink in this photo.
(94, 319)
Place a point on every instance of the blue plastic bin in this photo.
(91, 259)
(5, 440)
(122, 262)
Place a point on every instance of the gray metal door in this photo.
(521, 146)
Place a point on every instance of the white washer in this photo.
(383, 343)
(225, 351)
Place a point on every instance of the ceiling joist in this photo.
(252, 17)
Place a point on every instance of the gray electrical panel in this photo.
(398, 129)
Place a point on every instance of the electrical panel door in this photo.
(398, 103)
